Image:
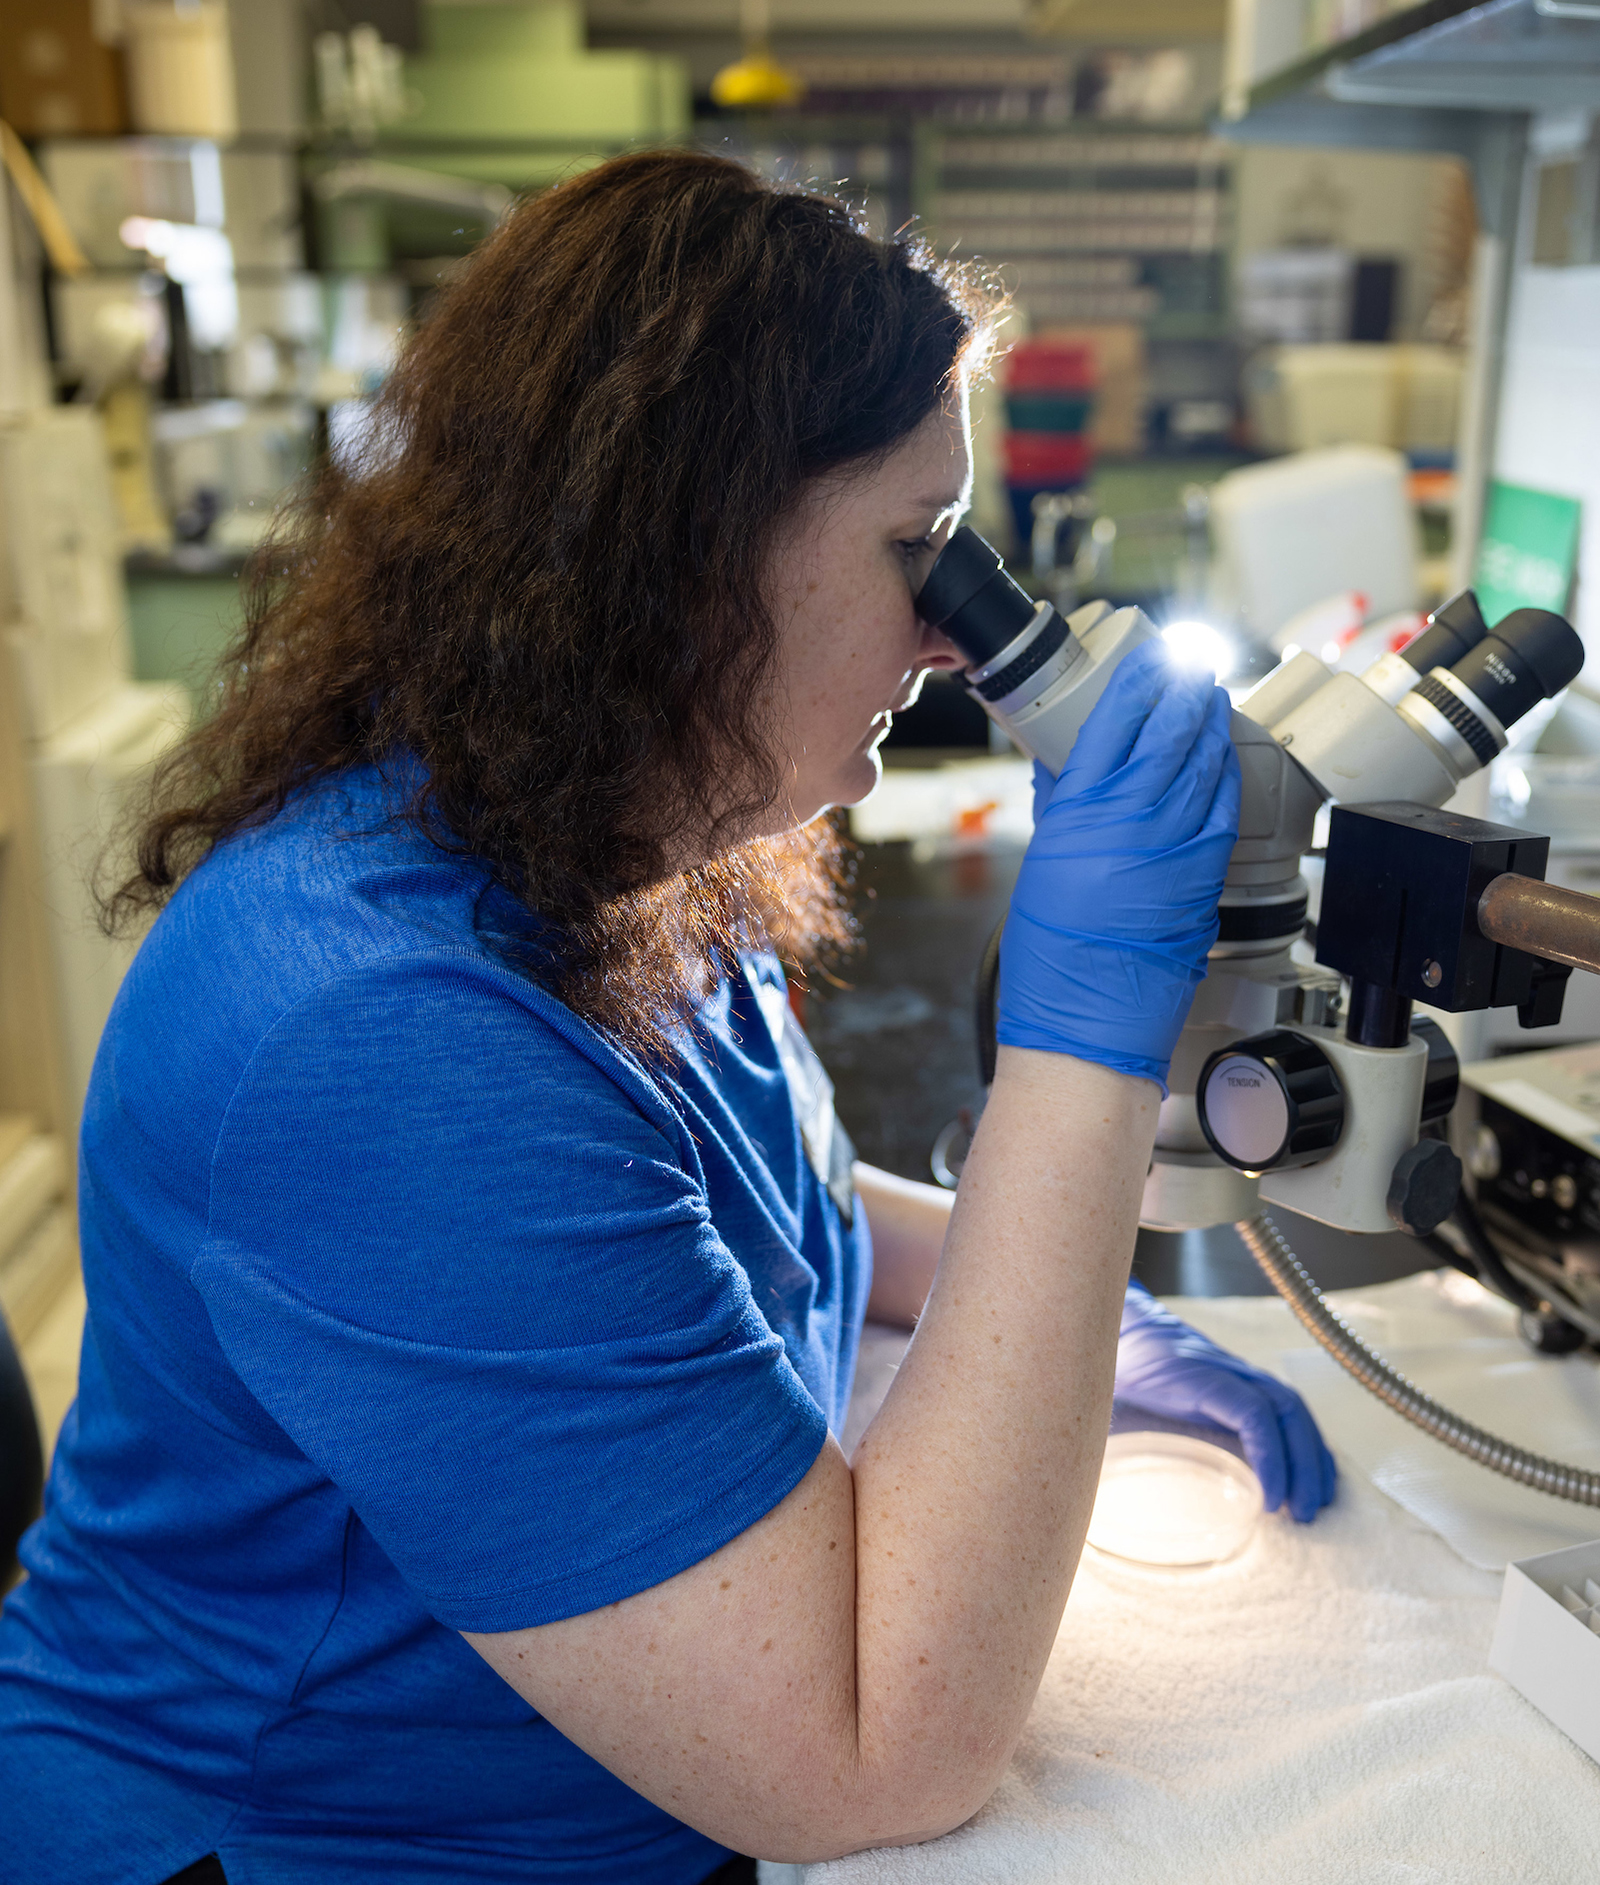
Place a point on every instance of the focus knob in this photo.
(1424, 1188)
(1271, 1102)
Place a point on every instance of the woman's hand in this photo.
(1116, 905)
(1164, 1367)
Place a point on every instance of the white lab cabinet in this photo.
(64, 600)
(85, 777)
(88, 733)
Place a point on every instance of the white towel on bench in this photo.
(1317, 1712)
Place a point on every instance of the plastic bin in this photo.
(1048, 460)
(1543, 1650)
(1050, 366)
(1049, 412)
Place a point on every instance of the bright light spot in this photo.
(1514, 786)
(202, 261)
(1166, 1498)
(1199, 645)
(1288, 651)
(190, 252)
(1332, 651)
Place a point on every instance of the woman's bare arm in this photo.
(854, 1670)
(908, 1222)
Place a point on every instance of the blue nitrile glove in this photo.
(1164, 1367)
(1116, 904)
(1043, 785)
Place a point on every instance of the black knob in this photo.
(1271, 1102)
(1544, 1330)
(1425, 1187)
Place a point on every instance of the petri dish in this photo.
(1167, 1498)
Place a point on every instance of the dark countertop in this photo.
(898, 1039)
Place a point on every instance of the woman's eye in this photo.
(914, 546)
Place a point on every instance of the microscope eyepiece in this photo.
(1528, 657)
(969, 596)
(1453, 628)
(1548, 647)
(1011, 640)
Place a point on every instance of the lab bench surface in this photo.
(1318, 1709)
(897, 1037)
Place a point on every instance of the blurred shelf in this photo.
(1306, 71)
(1057, 205)
(245, 141)
(186, 562)
(1177, 324)
(1495, 57)
(1450, 60)
(789, 127)
(1077, 127)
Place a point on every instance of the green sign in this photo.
(1527, 552)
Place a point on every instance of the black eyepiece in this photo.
(1453, 628)
(1550, 646)
(1530, 656)
(969, 596)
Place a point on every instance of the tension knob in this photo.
(1270, 1102)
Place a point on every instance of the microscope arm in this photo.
(1542, 919)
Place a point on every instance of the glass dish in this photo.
(1169, 1499)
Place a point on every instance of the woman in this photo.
(474, 1270)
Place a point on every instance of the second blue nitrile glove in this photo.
(1166, 1368)
(1116, 904)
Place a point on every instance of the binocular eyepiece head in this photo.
(1499, 673)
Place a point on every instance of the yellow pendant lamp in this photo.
(755, 81)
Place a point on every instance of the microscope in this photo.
(1314, 1086)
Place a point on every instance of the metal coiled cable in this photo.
(1288, 1277)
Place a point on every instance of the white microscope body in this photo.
(1320, 1118)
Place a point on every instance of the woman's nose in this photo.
(938, 651)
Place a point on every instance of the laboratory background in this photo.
(1302, 343)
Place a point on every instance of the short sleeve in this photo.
(461, 1253)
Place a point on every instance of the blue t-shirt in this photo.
(415, 1306)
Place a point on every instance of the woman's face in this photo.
(842, 580)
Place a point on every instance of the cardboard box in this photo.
(1545, 1651)
(58, 77)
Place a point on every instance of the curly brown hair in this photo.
(543, 575)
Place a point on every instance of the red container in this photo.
(1050, 366)
(1047, 459)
